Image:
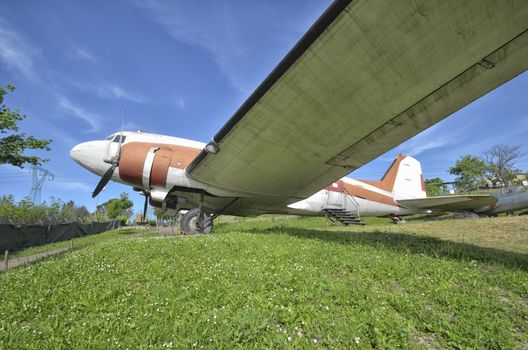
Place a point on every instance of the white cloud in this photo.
(180, 103)
(420, 147)
(108, 91)
(115, 91)
(15, 52)
(213, 31)
(75, 111)
(71, 186)
(81, 54)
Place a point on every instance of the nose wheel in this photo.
(195, 221)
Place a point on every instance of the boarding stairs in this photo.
(341, 207)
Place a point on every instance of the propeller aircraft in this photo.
(364, 78)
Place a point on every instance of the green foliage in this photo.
(162, 217)
(275, 288)
(471, 173)
(13, 146)
(435, 187)
(117, 208)
(54, 211)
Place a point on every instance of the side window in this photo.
(118, 137)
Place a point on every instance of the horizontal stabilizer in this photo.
(450, 203)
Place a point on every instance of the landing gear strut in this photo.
(197, 221)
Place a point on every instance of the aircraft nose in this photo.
(81, 153)
(75, 153)
(90, 155)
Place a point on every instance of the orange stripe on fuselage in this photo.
(360, 192)
(389, 178)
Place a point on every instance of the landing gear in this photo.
(195, 221)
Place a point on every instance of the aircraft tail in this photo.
(404, 178)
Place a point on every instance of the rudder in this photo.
(404, 178)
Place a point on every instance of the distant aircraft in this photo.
(365, 77)
(500, 201)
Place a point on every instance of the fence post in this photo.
(6, 260)
(71, 244)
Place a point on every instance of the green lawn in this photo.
(292, 283)
(84, 241)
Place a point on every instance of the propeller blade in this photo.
(118, 153)
(104, 180)
(145, 207)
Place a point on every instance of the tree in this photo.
(501, 161)
(471, 173)
(50, 212)
(162, 217)
(435, 187)
(13, 146)
(117, 208)
(72, 213)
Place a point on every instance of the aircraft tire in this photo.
(188, 223)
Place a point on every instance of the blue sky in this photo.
(182, 68)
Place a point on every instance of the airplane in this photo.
(346, 200)
(504, 200)
(365, 77)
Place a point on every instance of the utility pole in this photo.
(40, 175)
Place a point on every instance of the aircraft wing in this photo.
(450, 203)
(366, 76)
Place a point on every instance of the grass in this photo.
(280, 284)
(82, 241)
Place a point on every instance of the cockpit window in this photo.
(117, 138)
(110, 137)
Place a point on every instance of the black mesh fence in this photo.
(16, 237)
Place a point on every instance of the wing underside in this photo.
(450, 203)
(367, 76)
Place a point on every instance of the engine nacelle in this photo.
(172, 205)
(145, 165)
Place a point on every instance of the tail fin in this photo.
(404, 178)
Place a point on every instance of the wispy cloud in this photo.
(81, 54)
(15, 52)
(440, 136)
(180, 103)
(109, 91)
(213, 31)
(115, 91)
(419, 146)
(71, 185)
(75, 111)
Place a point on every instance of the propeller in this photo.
(104, 180)
(145, 206)
(115, 163)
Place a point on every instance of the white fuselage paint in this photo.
(509, 199)
(95, 156)
(360, 206)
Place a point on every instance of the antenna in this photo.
(40, 175)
